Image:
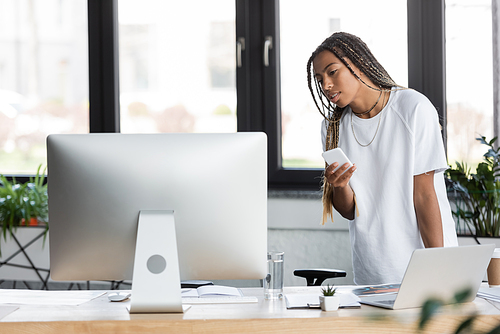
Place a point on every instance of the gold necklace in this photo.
(376, 131)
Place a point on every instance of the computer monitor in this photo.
(216, 185)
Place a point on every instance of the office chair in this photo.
(315, 277)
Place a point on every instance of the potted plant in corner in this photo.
(476, 196)
(329, 301)
(23, 204)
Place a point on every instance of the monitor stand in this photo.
(156, 286)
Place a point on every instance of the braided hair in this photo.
(343, 45)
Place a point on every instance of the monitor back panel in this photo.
(215, 183)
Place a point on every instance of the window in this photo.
(469, 90)
(43, 78)
(177, 72)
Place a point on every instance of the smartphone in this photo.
(336, 155)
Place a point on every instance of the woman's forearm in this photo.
(427, 211)
(343, 201)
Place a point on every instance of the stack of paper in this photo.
(492, 294)
(347, 300)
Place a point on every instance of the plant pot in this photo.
(32, 222)
(329, 303)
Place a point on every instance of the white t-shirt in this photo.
(408, 143)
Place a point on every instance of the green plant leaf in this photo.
(482, 139)
(461, 296)
(465, 326)
(328, 290)
(430, 307)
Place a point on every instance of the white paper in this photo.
(6, 310)
(43, 297)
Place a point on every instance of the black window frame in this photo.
(258, 86)
(104, 92)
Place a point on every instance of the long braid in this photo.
(343, 45)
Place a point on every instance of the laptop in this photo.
(437, 273)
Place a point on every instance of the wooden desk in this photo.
(102, 316)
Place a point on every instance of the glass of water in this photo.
(273, 283)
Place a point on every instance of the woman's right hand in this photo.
(339, 179)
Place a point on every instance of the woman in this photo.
(394, 195)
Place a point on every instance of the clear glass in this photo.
(273, 284)
(382, 25)
(177, 66)
(43, 78)
(469, 79)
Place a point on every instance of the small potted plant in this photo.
(329, 301)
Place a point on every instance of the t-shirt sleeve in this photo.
(429, 148)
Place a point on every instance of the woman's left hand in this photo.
(339, 178)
